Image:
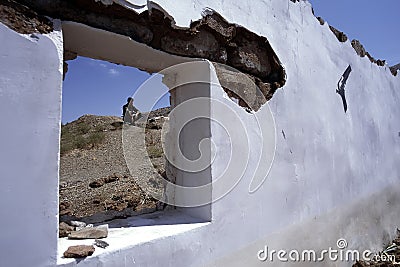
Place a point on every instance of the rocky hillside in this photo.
(95, 183)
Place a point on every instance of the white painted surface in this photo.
(99, 44)
(334, 176)
(30, 108)
(134, 232)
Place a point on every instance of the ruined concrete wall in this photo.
(335, 174)
(212, 37)
(30, 108)
(329, 165)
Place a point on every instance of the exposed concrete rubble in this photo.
(22, 19)
(379, 62)
(358, 47)
(360, 50)
(241, 87)
(212, 37)
(341, 36)
(321, 20)
(394, 69)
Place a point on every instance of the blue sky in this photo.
(375, 23)
(101, 88)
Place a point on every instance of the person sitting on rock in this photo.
(130, 113)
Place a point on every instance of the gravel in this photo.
(99, 165)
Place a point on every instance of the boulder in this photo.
(80, 251)
(90, 233)
(64, 229)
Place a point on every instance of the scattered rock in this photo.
(64, 209)
(96, 184)
(80, 251)
(81, 167)
(90, 233)
(105, 180)
(100, 243)
(112, 178)
(321, 20)
(360, 264)
(117, 125)
(77, 224)
(64, 229)
(80, 228)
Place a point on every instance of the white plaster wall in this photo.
(329, 159)
(330, 162)
(30, 102)
(189, 121)
(334, 176)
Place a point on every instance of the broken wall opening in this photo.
(82, 40)
(212, 37)
(95, 183)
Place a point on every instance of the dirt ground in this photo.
(95, 182)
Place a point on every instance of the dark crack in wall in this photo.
(211, 38)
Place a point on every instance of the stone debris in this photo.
(65, 229)
(358, 47)
(101, 243)
(389, 257)
(105, 180)
(394, 69)
(64, 208)
(90, 233)
(80, 251)
(80, 228)
(341, 36)
(23, 19)
(78, 224)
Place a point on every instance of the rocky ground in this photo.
(388, 257)
(95, 182)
